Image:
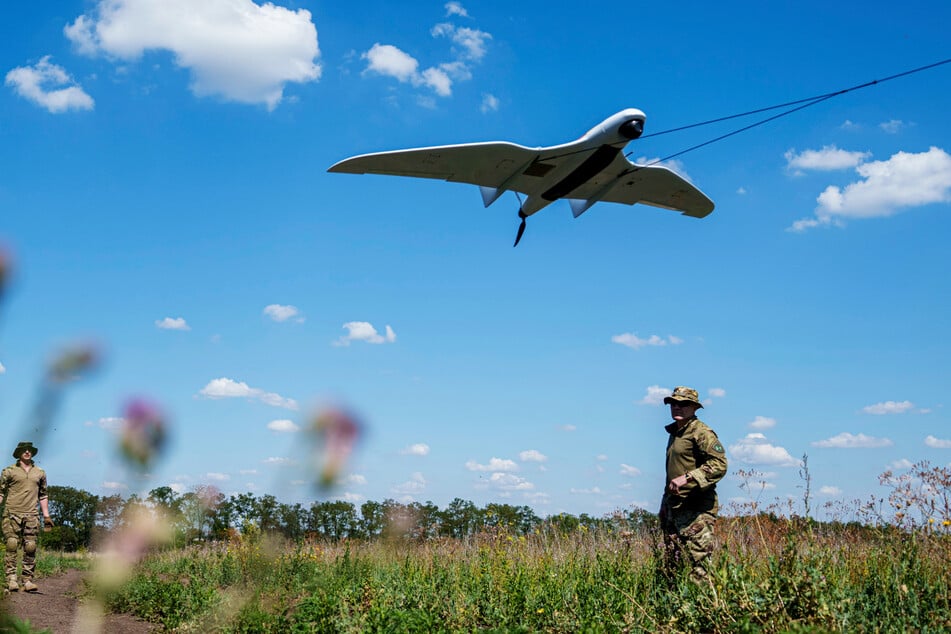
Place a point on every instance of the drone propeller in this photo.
(521, 226)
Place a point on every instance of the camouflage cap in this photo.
(682, 393)
(23, 446)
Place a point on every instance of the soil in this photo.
(55, 607)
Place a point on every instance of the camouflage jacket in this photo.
(22, 490)
(695, 450)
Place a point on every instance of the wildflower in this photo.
(334, 433)
(540, 611)
(143, 433)
(946, 523)
(72, 363)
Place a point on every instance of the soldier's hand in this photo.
(47, 524)
(677, 482)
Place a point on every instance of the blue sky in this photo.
(163, 192)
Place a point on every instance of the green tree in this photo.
(372, 519)
(428, 520)
(292, 519)
(334, 520)
(266, 512)
(461, 519)
(166, 501)
(74, 514)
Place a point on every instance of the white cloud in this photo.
(469, 47)
(888, 407)
(283, 425)
(278, 461)
(418, 449)
(111, 423)
(228, 388)
(903, 463)
(495, 464)
(353, 498)
(537, 497)
(846, 440)
(235, 49)
(756, 450)
(364, 331)
(2, 369)
(655, 395)
(893, 126)
(532, 455)
(248, 472)
(741, 191)
(114, 486)
(631, 340)
(355, 479)
(829, 490)
(386, 59)
(438, 80)
(628, 470)
(472, 42)
(490, 103)
(888, 187)
(278, 312)
(217, 477)
(762, 422)
(591, 491)
(172, 323)
(509, 482)
(568, 428)
(49, 86)
(827, 159)
(717, 392)
(415, 485)
(456, 8)
(938, 443)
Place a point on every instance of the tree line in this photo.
(82, 519)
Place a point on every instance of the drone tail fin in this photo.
(579, 206)
(490, 194)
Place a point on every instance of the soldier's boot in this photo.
(12, 584)
(29, 586)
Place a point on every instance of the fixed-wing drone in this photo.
(586, 171)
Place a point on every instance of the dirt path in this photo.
(55, 607)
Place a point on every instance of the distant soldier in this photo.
(23, 486)
(695, 463)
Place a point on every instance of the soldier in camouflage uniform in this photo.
(23, 486)
(695, 463)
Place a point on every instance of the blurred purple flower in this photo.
(334, 432)
(143, 433)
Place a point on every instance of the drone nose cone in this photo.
(632, 129)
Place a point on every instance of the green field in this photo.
(770, 575)
(879, 566)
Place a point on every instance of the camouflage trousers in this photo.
(688, 540)
(20, 530)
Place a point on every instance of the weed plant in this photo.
(769, 574)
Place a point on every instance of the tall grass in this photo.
(769, 574)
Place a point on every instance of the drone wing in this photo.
(484, 164)
(655, 185)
